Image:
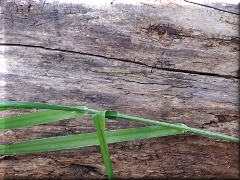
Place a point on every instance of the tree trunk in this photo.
(171, 61)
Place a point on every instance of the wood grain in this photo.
(172, 62)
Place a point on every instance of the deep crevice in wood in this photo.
(212, 7)
(125, 60)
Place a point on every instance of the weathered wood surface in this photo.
(173, 62)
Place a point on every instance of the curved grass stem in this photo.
(4, 105)
(181, 127)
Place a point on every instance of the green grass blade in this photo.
(112, 114)
(37, 118)
(5, 105)
(84, 140)
(51, 144)
(99, 121)
(179, 127)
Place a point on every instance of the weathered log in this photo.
(172, 62)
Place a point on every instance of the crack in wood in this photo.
(211, 7)
(8, 157)
(129, 61)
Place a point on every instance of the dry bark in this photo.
(175, 62)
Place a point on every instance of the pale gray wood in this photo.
(117, 57)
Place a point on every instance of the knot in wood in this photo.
(162, 30)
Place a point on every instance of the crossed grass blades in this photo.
(101, 137)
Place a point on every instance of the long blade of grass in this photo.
(37, 118)
(115, 116)
(180, 127)
(5, 105)
(99, 121)
(84, 140)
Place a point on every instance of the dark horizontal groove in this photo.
(124, 60)
(211, 7)
(200, 73)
